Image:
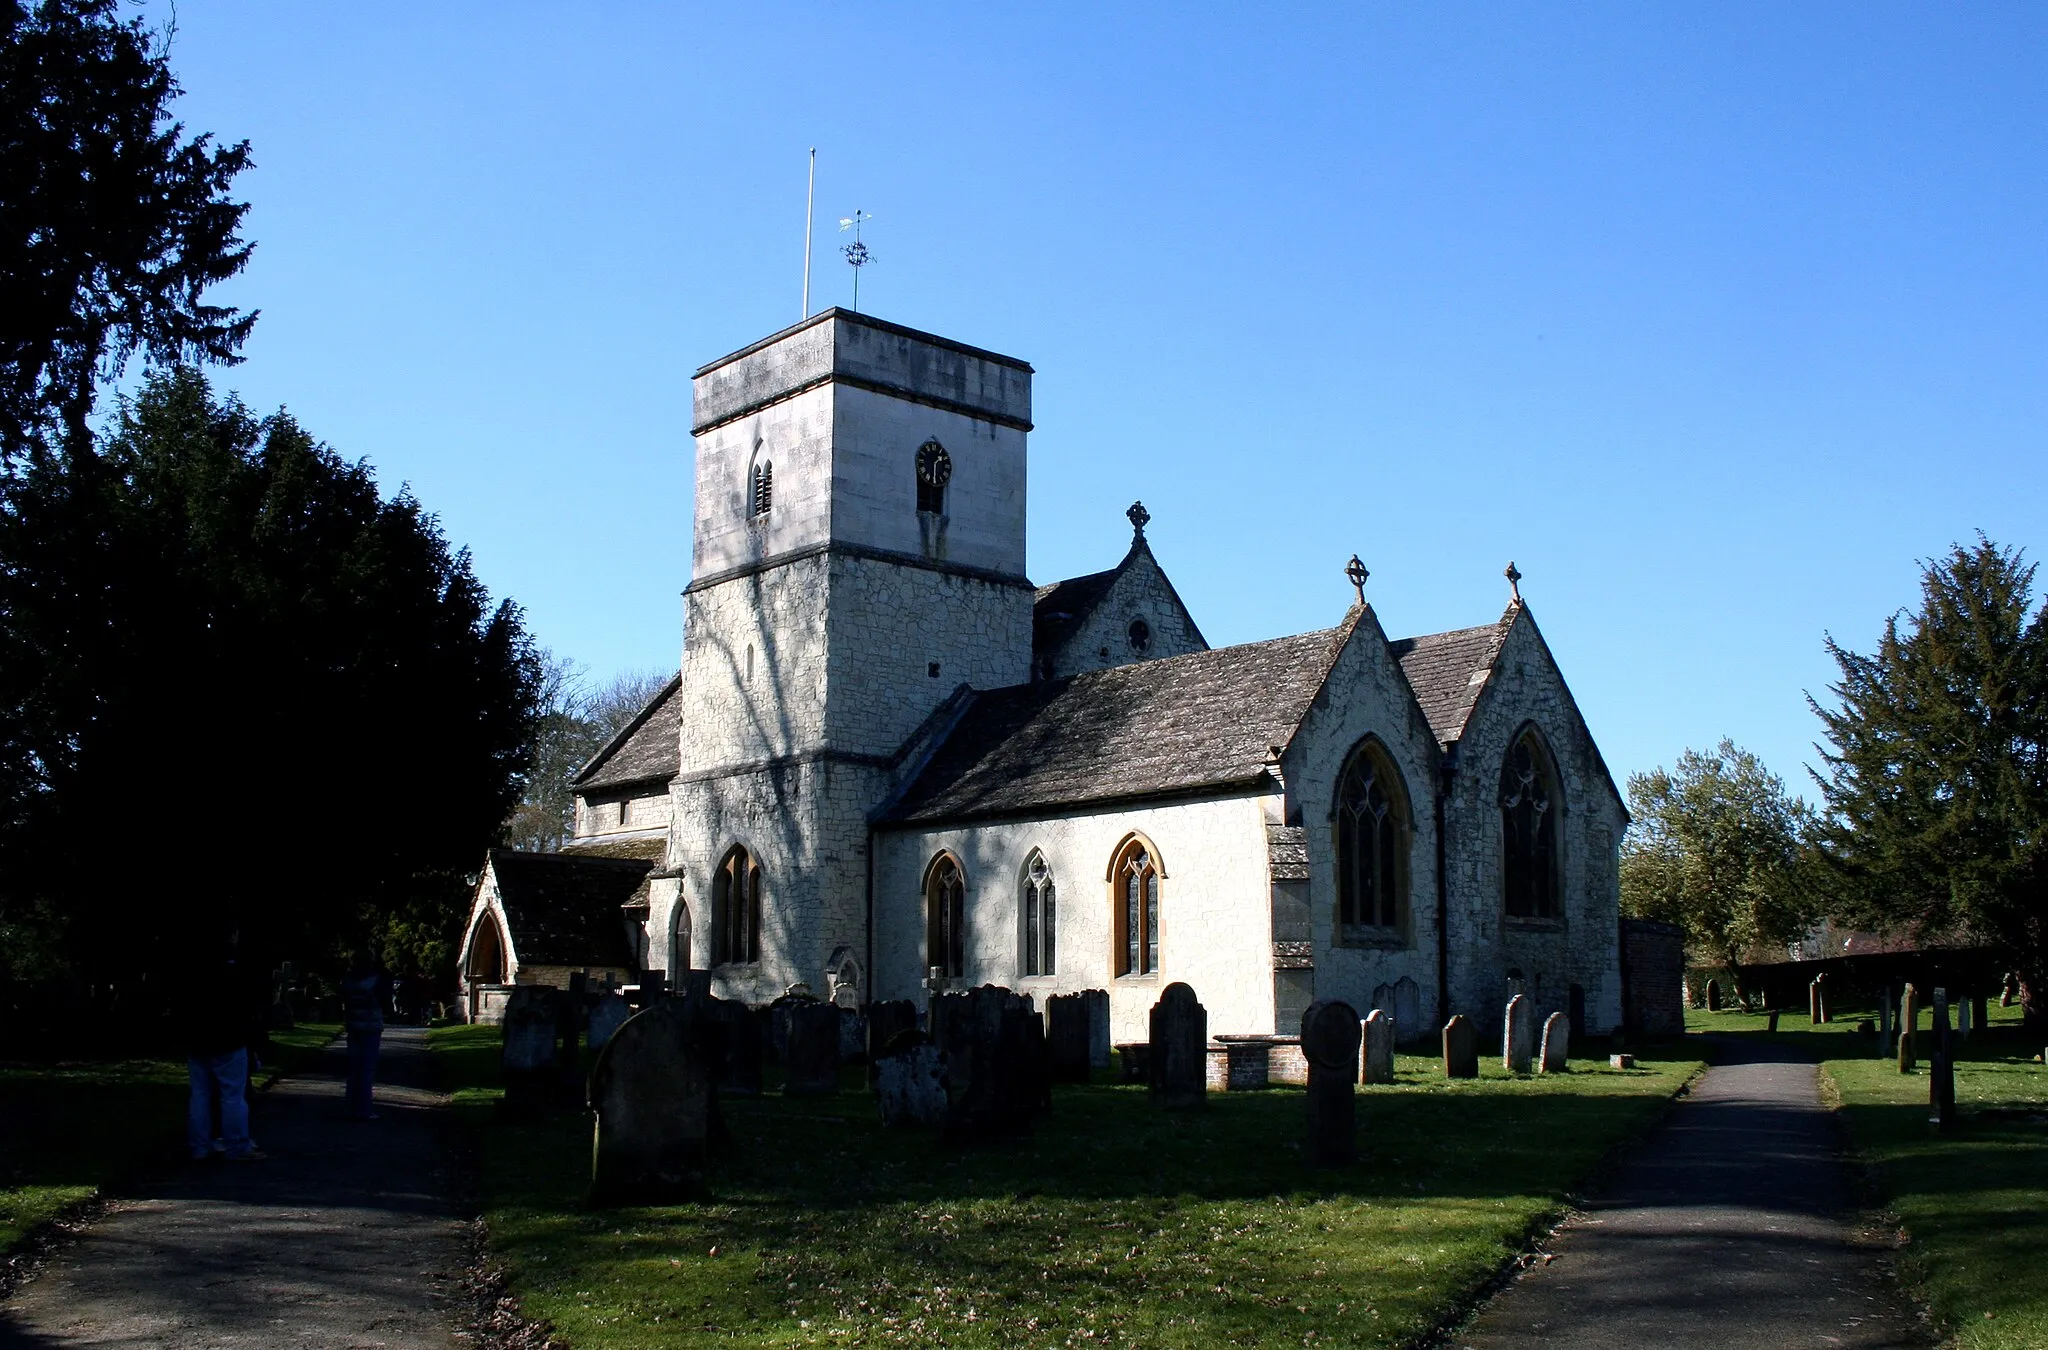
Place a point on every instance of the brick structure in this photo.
(1653, 972)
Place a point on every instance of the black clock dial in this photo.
(934, 465)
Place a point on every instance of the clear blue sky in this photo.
(1714, 318)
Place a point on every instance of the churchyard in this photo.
(1112, 1219)
(1970, 1203)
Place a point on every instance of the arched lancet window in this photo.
(1370, 828)
(1528, 829)
(1040, 918)
(934, 470)
(761, 491)
(736, 909)
(1134, 891)
(487, 952)
(679, 941)
(945, 922)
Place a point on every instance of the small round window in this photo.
(1141, 635)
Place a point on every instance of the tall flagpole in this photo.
(810, 200)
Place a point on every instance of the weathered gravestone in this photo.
(1817, 999)
(607, 1015)
(1557, 1043)
(1377, 1032)
(1461, 1048)
(529, 1065)
(652, 1093)
(887, 1019)
(1941, 1067)
(1407, 1009)
(910, 1081)
(779, 1014)
(1098, 1027)
(853, 1034)
(1909, 1021)
(1713, 996)
(1177, 1064)
(964, 1024)
(810, 1059)
(1066, 1037)
(1518, 1035)
(1329, 1041)
(1007, 1080)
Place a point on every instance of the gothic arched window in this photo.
(1370, 828)
(945, 916)
(679, 941)
(761, 492)
(1528, 829)
(736, 909)
(1040, 918)
(1134, 888)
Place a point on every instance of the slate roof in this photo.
(1447, 671)
(646, 748)
(1178, 724)
(1062, 607)
(563, 909)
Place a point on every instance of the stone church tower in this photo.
(859, 556)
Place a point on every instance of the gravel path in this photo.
(344, 1238)
(1732, 1226)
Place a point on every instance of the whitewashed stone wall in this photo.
(773, 622)
(623, 815)
(1104, 638)
(1215, 927)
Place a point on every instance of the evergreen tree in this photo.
(1937, 781)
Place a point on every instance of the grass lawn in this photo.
(75, 1127)
(1117, 1224)
(1974, 1201)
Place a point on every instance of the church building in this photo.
(891, 763)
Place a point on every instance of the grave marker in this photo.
(1557, 1042)
(1713, 996)
(1377, 1032)
(652, 1094)
(1518, 1035)
(1177, 1062)
(1329, 1041)
(810, 1061)
(1066, 1039)
(1098, 1027)
(1909, 1020)
(1461, 1048)
(606, 1017)
(910, 1081)
(529, 1065)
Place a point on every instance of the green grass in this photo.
(69, 1129)
(1973, 1201)
(1117, 1224)
(297, 1048)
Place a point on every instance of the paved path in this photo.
(1732, 1227)
(344, 1238)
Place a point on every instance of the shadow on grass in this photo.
(72, 1128)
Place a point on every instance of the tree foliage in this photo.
(576, 721)
(1936, 782)
(113, 222)
(240, 685)
(1715, 846)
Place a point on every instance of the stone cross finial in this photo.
(1139, 518)
(1514, 576)
(1355, 570)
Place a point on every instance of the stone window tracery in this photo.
(736, 909)
(1140, 635)
(1040, 917)
(1370, 832)
(1528, 820)
(945, 925)
(1134, 880)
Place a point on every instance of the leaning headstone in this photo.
(1407, 1009)
(910, 1081)
(1066, 1037)
(606, 1017)
(1518, 1035)
(1713, 996)
(1909, 1021)
(529, 1065)
(1178, 1061)
(1097, 1001)
(652, 1096)
(810, 1060)
(1329, 1041)
(1461, 1048)
(1557, 1044)
(1377, 1032)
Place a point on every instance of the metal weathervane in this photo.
(857, 255)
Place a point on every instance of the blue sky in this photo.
(1715, 319)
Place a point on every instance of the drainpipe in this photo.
(1448, 771)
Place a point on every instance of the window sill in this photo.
(1150, 977)
(1520, 924)
(1368, 940)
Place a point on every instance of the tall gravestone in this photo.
(1941, 1067)
(1557, 1042)
(1407, 1009)
(910, 1082)
(1066, 1037)
(530, 1065)
(1909, 1022)
(1329, 1042)
(1713, 996)
(1461, 1048)
(1980, 1010)
(1377, 1032)
(1097, 1001)
(1963, 1027)
(1518, 1035)
(1178, 1060)
(1817, 999)
(1884, 1021)
(810, 1059)
(1008, 1083)
(652, 1094)
(607, 1015)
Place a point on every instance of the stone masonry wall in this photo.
(1653, 955)
(1104, 639)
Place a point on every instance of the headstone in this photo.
(1621, 1061)
(886, 1020)
(1963, 1019)
(1098, 1027)
(606, 1017)
(1820, 997)
(1382, 1000)
(1813, 1001)
(1518, 1035)
(853, 1034)
(569, 1011)
(1461, 1048)
(910, 1081)
(695, 984)
(529, 1065)
(1941, 1066)
(779, 1014)
(1774, 1020)
(1329, 1041)
(1377, 1032)
(1557, 1044)
(1980, 1012)
(1884, 1021)
(1180, 1035)
(1909, 1021)
(810, 1061)
(652, 988)
(1407, 1009)
(737, 1071)
(1066, 1038)
(652, 1095)
(1134, 1058)
(1713, 996)
(1009, 1084)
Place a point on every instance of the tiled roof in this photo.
(563, 909)
(641, 845)
(1063, 606)
(1447, 671)
(645, 750)
(1178, 724)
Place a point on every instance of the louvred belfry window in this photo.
(736, 910)
(945, 897)
(1135, 882)
(763, 496)
(1371, 837)
(1528, 824)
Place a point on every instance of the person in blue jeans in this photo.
(363, 995)
(222, 1015)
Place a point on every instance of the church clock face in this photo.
(934, 465)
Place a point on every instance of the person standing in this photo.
(363, 994)
(222, 1018)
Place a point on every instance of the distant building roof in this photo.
(562, 909)
(1447, 671)
(645, 750)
